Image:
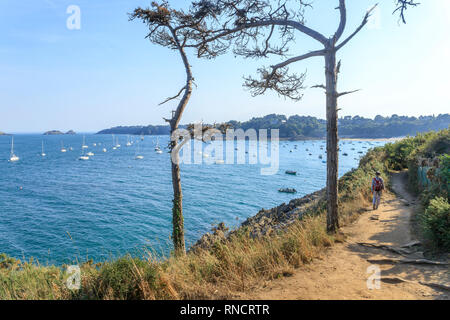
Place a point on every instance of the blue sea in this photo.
(58, 209)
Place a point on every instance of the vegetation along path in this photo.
(382, 239)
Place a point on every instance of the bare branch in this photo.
(364, 22)
(319, 86)
(343, 22)
(174, 97)
(347, 92)
(299, 58)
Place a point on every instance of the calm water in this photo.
(58, 209)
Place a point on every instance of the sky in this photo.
(106, 74)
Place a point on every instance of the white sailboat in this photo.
(13, 157)
(62, 147)
(117, 143)
(157, 148)
(42, 150)
(83, 156)
(114, 147)
(84, 146)
(104, 150)
(138, 155)
(128, 141)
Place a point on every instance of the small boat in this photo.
(142, 137)
(287, 190)
(345, 154)
(157, 145)
(90, 154)
(62, 148)
(128, 141)
(116, 144)
(42, 150)
(220, 162)
(292, 173)
(83, 156)
(94, 144)
(138, 156)
(320, 156)
(157, 148)
(84, 146)
(104, 150)
(13, 157)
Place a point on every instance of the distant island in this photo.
(303, 127)
(3, 134)
(57, 132)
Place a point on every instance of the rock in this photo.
(70, 132)
(53, 133)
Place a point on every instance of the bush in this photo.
(127, 278)
(436, 221)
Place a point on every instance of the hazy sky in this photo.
(107, 74)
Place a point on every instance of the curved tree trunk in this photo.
(177, 209)
(332, 140)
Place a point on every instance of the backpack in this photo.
(378, 184)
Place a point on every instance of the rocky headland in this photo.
(265, 222)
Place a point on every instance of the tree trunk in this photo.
(332, 140)
(177, 209)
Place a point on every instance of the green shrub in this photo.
(436, 220)
(127, 278)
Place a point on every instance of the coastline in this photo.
(265, 222)
(393, 139)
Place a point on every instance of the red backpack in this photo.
(378, 184)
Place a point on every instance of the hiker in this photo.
(377, 189)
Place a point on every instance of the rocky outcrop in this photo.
(2, 134)
(265, 222)
(70, 132)
(53, 133)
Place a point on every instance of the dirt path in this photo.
(342, 271)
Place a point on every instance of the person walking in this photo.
(377, 189)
